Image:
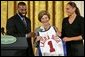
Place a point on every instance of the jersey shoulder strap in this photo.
(55, 28)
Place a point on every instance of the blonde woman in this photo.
(47, 37)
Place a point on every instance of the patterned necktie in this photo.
(24, 21)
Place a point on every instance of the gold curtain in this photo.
(55, 8)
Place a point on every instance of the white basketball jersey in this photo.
(48, 46)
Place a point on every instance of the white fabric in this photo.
(48, 36)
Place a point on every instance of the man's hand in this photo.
(31, 34)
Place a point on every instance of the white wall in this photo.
(80, 5)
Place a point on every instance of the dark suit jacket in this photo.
(15, 26)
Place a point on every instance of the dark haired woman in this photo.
(47, 37)
(73, 30)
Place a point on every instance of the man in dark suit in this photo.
(20, 26)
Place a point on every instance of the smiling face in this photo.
(22, 10)
(70, 10)
(44, 19)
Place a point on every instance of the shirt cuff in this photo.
(26, 35)
(81, 37)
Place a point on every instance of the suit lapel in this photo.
(19, 23)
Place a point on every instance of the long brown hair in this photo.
(74, 5)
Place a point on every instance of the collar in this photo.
(20, 17)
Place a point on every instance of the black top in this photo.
(74, 29)
(16, 27)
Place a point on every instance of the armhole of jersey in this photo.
(55, 29)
